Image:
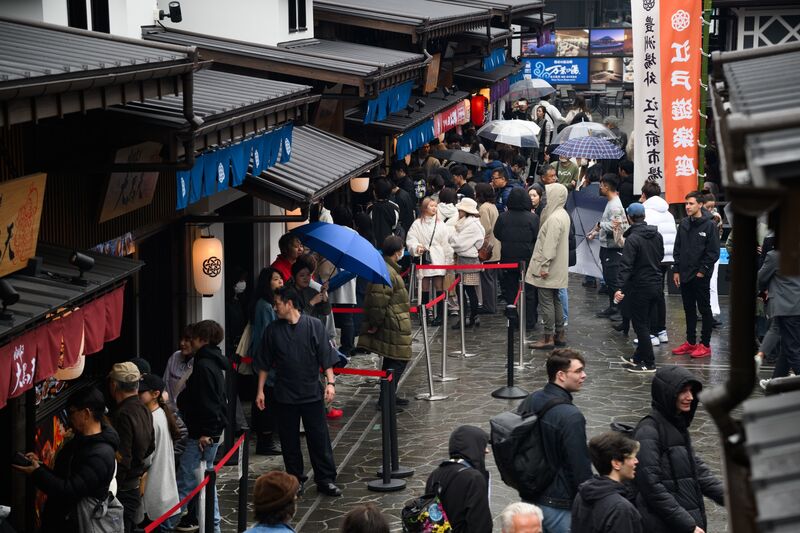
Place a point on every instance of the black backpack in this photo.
(519, 451)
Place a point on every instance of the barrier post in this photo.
(210, 488)
(443, 377)
(510, 392)
(397, 470)
(522, 312)
(386, 483)
(431, 397)
(463, 353)
(244, 471)
(412, 281)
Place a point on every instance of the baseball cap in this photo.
(125, 372)
(142, 365)
(635, 210)
(151, 382)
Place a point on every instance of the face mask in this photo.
(240, 287)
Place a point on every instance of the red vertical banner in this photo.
(681, 46)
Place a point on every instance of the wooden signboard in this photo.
(432, 77)
(20, 212)
(128, 191)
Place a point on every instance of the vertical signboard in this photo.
(20, 212)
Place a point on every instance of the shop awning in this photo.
(419, 18)
(368, 68)
(476, 78)
(491, 38)
(532, 22)
(321, 162)
(49, 71)
(55, 317)
(504, 8)
(232, 107)
(400, 122)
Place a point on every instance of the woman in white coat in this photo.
(466, 241)
(429, 233)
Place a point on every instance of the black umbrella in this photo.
(459, 156)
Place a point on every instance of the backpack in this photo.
(426, 513)
(519, 450)
(97, 515)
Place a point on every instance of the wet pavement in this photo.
(609, 394)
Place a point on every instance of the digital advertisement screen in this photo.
(559, 70)
(529, 46)
(611, 41)
(608, 70)
(572, 43)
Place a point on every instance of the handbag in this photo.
(242, 350)
(97, 515)
(485, 251)
(425, 514)
(425, 257)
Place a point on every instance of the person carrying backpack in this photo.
(563, 435)
(462, 482)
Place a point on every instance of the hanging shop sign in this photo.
(558, 70)
(217, 170)
(20, 213)
(388, 101)
(128, 191)
(667, 44)
(451, 117)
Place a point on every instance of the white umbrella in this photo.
(530, 88)
(522, 133)
(584, 129)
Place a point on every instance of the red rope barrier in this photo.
(485, 266)
(413, 309)
(228, 455)
(361, 372)
(347, 310)
(455, 282)
(519, 291)
(436, 300)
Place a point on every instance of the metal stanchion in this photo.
(244, 471)
(461, 311)
(443, 377)
(397, 470)
(522, 313)
(209, 507)
(386, 483)
(510, 392)
(432, 397)
(412, 280)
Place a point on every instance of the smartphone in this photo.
(20, 460)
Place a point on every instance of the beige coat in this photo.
(488, 214)
(551, 253)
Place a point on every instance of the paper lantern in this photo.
(294, 213)
(359, 185)
(207, 265)
(478, 110)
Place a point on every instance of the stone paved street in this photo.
(609, 394)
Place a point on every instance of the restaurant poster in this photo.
(667, 46)
(20, 213)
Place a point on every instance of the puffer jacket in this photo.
(517, 228)
(468, 237)
(387, 309)
(551, 253)
(656, 213)
(670, 479)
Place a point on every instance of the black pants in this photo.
(696, 295)
(789, 358)
(610, 258)
(317, 438)
(489, 289)
(510, 284)
(130, 500)
(471, 294)
(344, 321)
(658, 315)
(640, 301)
(398, 367)
(264, 422)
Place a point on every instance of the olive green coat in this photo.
(387, 308)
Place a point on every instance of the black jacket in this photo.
(603, 506)
(405, 202)
(517, 228)
(133, 423)
(464, 482)
(626, 195)
(641, 258)
(84, 467)
(671, 480)
(466, 191)
(696, 247)
(385, 215)
(564, 437)
(203, 403)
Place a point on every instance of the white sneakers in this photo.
(655, 341)
(662, 336)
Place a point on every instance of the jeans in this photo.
(639, 304)
(555, 520)
(347, 341)
(187, 481)
(696, 297)
(564, 303)
(610, 258)
(551, 311)
(789, 358)
(317, 438)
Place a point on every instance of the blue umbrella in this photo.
(346, 249)
(589, 148)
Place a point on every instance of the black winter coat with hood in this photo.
(670, 479)
(203, 403)
(464, 482)
(641, 257)
(517, 228)
(696, 247)
(84, 467)
(603, 506)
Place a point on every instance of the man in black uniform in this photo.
(295, 347)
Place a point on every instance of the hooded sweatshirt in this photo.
(517, 228)
(551, 252)
(656, 213)
(671, 480)
(464, 482)
(603, 506)
(203, 402)
(641, 257)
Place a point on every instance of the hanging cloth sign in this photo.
(667, 41)
(388, 101)
(496, 59)
(414, 138)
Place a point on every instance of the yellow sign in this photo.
(20, 213)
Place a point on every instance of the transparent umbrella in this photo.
(522, 133)
(584, 129)
(530, 89)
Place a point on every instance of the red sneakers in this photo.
(685, 349)
(701, 350)
(334, 413)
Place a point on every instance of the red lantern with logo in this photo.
(478, 105)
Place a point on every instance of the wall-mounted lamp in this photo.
(8, 296)
(447, 92)
(409, 111)
(84, 264)
(420, 103)
(207, 264)
(174, 14)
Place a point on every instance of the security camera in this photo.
(174, 14)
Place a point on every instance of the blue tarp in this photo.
(387, 102)
(414, 138)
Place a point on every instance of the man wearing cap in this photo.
(640, 279)
(134, 424)
(274, 502)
